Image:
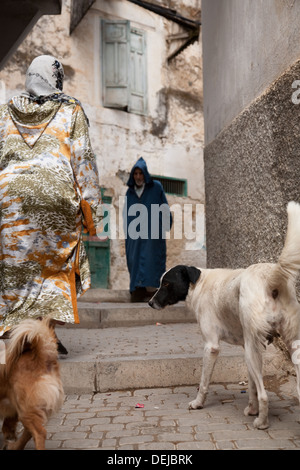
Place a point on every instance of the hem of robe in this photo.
(75, 320)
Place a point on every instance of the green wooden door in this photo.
(99, 257)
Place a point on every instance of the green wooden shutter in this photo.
(138, 82)
(124, 67)
(115, 67)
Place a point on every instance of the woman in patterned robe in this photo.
(49, 188)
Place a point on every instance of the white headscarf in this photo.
(44, 76)
(44, 82)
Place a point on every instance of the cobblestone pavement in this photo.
(112, 421)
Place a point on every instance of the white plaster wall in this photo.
(120, 138)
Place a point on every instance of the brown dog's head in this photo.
(174, 286)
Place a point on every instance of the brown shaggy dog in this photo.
(30, 384)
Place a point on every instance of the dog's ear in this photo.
(193, 273)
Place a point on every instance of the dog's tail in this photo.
(289, 260)
(35, 336)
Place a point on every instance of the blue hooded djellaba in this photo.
(147, 218)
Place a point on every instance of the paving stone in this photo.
(95, 418)
(168, 428)
(265, 444)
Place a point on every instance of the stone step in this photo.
(124, 358)
(118, 314)
(106, 295)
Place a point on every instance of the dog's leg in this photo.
(252, 408)
(21, 442)
(33, 423)
(210, 356)
(9, 429)
(297, 370)
(294, 351)
(253, 359)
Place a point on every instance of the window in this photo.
(124, 67)
(173, 185)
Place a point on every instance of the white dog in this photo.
(245, 307)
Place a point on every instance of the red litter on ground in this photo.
(139, 405)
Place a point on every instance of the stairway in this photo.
(121, 345)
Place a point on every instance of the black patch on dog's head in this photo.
(174, 286)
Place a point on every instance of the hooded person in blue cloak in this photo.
(147, 219)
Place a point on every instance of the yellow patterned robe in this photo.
(49, 187)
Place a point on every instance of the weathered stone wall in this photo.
(252, 170)
(170, 137)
